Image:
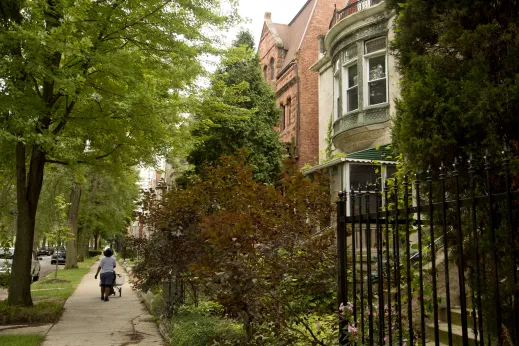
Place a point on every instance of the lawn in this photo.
(49, 296)
(20, 340)
(47, 290)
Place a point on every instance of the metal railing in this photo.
(352, 8)
(470, 282)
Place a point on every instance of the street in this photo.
(45, 269)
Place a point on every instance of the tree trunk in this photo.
(44, 241)
(96, 236)
(75, 196)
(84, 232)
(81, 253)
(27, 196)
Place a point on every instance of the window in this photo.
(271, 66)
(352, 88)
(265, 72)
(288, 108)
(360, 174)
(283, 117)
(376, 66)
(350, 79)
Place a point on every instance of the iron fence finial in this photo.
(442, 171)
(487, 159)
(429, 173)
(341, 195)
(455, 171)
(506, 159)
(471, 166)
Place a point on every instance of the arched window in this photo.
(265, 72)
(271, 66)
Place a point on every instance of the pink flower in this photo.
(352, 330)
(350, 306)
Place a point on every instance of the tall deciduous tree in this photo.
(237, 111)
(459, 62)
(84, 80)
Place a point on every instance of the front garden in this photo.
(237, 262)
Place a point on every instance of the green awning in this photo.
(383, 153)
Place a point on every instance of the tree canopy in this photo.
(238, 110)
(85, 80)
(459, 66)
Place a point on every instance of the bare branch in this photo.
(100, 157)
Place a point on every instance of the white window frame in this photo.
(367, 57)
(345, 77)
(336, 89)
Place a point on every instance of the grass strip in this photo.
(47, 289)
(48, 296)
(21, 340)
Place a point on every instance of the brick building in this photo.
(286, 52)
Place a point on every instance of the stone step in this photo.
(457, 336)
(456, 317)
(432, 343)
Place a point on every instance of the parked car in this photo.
(60, 256)
(6, 262)
(47, 251)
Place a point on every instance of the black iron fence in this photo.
(431, 259)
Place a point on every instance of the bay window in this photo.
(350, 79)
(376, 67)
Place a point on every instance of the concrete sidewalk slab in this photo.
(87, 320)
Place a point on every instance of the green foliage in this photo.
(96, 82)
(237, 111)
(264, 253)
(201, 329)
(5, 279)
(329, 141)
(44, 312)
(460, 77)
(95, 253)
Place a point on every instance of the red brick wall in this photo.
(309, 97)
(309, 88)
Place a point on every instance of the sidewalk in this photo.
(89, 321)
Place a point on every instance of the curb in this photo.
(147, 298)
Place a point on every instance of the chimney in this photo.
(268, 16)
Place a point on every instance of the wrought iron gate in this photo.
(431, 259)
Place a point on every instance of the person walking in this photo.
(106, 267)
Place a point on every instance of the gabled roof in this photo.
(291, 35)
